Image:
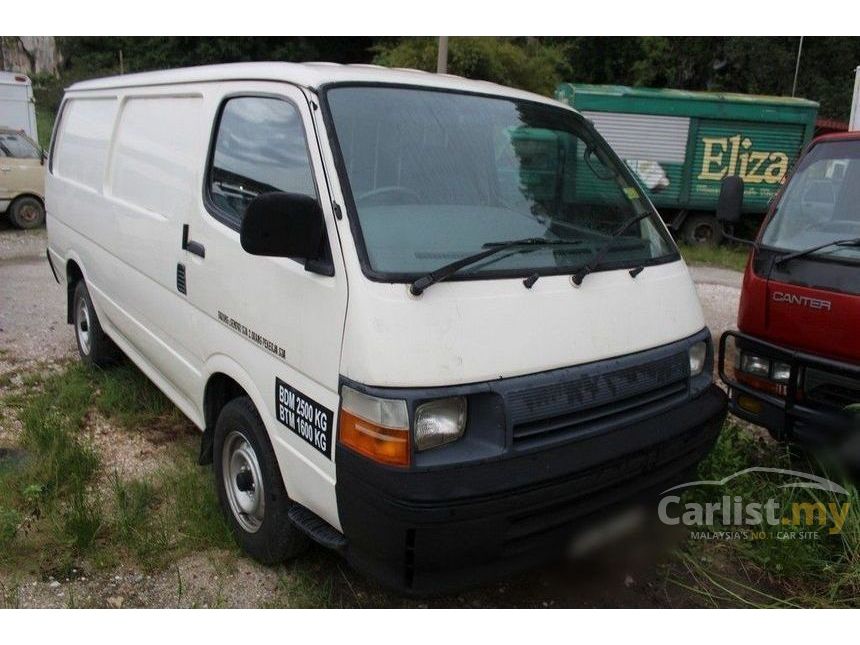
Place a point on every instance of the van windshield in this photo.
(821, 203)
(435, 175)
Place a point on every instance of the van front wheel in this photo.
(94, 346)
(250, 487)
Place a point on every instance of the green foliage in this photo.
(10, 519)
(191, 506)
(82, 520)
(525, 63)
(726, 256)
(61, 461)
(756, 65)
(44, 123)
(787, 569)
(127, 396)
(136, 525)
(51, 485)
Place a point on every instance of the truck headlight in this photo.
(781, 372)
(698, 352)
(755, 365)
(439, 422)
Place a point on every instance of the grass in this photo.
(788, 567)
(44, 124)
(57, 506)
(726, 256)
(130, 398)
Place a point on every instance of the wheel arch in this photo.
(74, 274)
(21, 196)
(225, 380)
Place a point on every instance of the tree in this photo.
(527, 63)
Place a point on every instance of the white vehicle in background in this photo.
(17, 105)
(854, 121)
(431, 323)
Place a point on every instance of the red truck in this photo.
(793, 366)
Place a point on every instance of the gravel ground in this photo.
(33, 325)
(34, 335)
(719, 292)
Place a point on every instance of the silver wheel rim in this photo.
(243, 481)
(83, 326)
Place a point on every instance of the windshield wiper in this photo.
(853, 241)
(579, 275)
(490, 248)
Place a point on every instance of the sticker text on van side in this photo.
(724, 156)
(304, 416)
(270, 346)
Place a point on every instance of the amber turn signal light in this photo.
(374, 427)
(385, 445)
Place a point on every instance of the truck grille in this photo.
(597, 401)
(831, 389)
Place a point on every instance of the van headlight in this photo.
(439, 422)
(698, 353)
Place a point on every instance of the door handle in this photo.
(190, 245)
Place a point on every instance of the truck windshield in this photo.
(435, 175)
(821, 203)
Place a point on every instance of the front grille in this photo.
(619, 481)
(598, 400)
(831, 389)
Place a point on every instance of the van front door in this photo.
(268, 322)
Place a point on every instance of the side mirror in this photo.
(287, 225)
(729, 207)
(731, 199)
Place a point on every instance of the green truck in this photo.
(681, 144)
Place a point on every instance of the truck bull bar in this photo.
(794, 413)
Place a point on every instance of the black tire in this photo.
(94, 346)
(265, 533)
(702, 229)
(27, 212)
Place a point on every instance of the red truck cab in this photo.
(793, 366)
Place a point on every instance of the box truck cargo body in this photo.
(17, 105)
(682, 144)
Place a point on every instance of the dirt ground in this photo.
(35, 336)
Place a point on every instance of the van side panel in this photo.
(150, 188)
(82, 228)
(128, 173)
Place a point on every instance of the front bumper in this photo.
(444, 528)
(796, 415)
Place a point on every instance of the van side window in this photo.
(260, 147)
(18, 147)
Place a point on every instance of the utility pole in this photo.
(442, 59)
(797, 66)
(121, 63)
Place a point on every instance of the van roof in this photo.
(310, 75)
(14, 78)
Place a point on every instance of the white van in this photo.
(432, 323)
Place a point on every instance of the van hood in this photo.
(477, 330)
